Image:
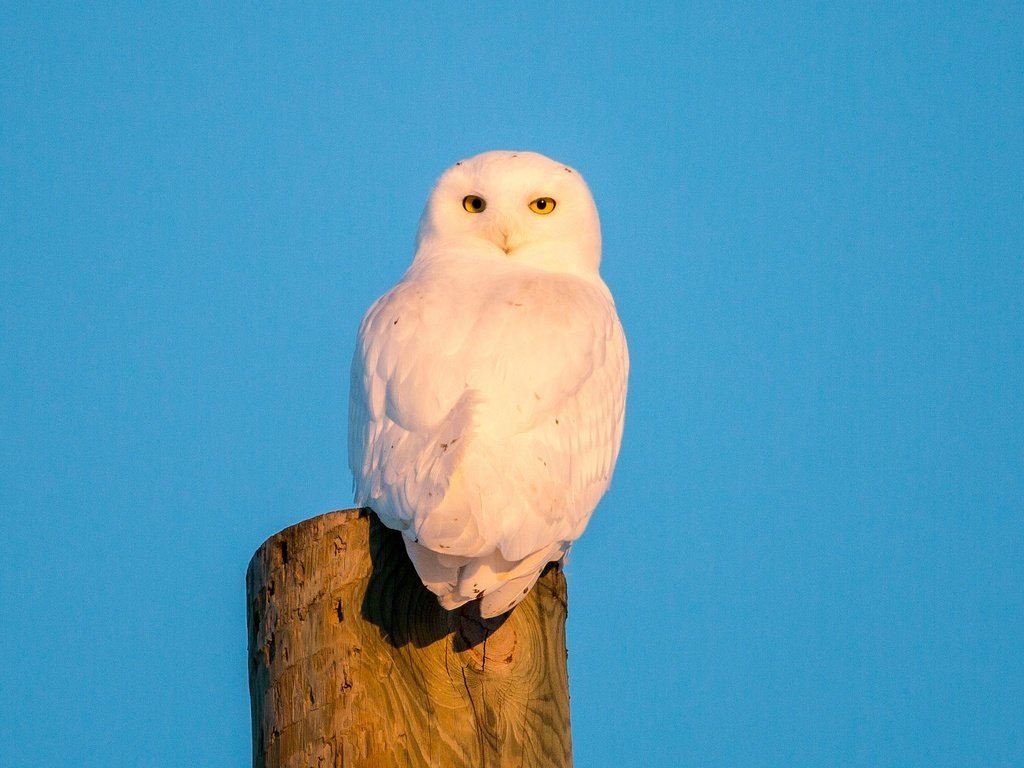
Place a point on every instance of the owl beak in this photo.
(504, 235)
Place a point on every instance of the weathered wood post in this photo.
(353, 664)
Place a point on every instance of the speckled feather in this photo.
(488, 386)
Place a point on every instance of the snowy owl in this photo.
(489, 385)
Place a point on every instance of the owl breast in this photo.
(523, 340)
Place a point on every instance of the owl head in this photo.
(514, 206)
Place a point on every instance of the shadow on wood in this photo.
(353, 663)
(404, 610)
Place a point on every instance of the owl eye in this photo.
(473, 203)
(543, 205)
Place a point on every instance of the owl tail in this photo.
(500, 584)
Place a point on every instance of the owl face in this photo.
(515, 206)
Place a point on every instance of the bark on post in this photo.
(353, 663)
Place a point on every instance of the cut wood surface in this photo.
(353, 663)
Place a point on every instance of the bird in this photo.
(488, 386)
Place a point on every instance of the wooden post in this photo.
(352, 663)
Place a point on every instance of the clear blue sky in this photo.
(813, 551)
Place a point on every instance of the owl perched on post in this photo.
(489, 385)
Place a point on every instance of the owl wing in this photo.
(409, 420)
(595, 417)
(564, 460)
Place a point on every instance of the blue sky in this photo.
(813, 220)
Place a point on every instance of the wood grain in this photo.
(353, 664)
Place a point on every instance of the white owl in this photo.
(489, 385)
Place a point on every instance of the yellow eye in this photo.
(543, 205)
(473, 204)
